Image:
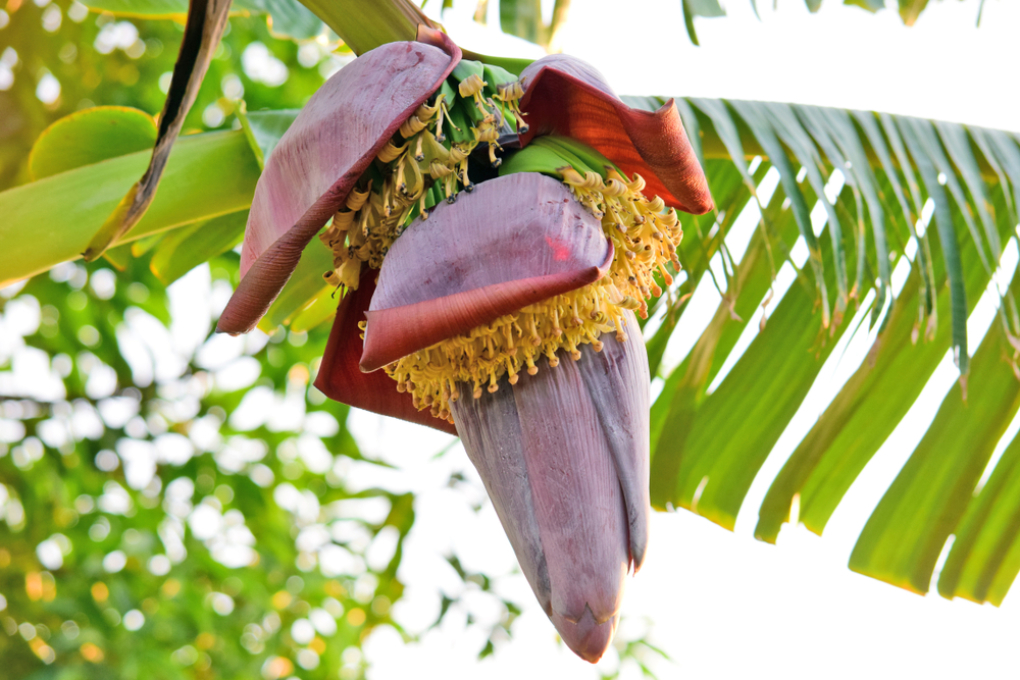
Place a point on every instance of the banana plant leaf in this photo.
(288, 17)
(52, 219)
(711, 437)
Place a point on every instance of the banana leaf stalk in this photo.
(207, 19)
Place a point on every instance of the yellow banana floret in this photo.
(421, 165)
(373, 218)
(509, 345)
(645, 234)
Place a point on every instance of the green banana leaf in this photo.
(288, 18)
(52, 219)
(712, 435)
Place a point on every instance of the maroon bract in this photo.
(341, 379)
(566, 96)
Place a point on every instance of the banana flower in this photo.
(493, 238)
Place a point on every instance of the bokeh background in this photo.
(177, 504)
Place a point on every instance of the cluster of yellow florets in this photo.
(426, 164)
(644, 232)
(509, 345)
(645, 235)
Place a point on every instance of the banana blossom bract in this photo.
(562, 447)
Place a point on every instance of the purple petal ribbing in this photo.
(511, 242)
(491, 431)
(336, 136)
(624, 418)
(317, 162)
(576, 492)
(564, 456)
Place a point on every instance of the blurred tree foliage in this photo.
(61, 57)
(135, 509)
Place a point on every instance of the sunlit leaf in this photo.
(985, 557)
(904, 536)
(304, 286)
(867, 409)
(264, 129)
(207, 175)
(289, 18)
(144, 9)
(184, 249)
(699, 8)
(90, 136)
(708, 446)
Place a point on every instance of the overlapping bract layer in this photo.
(563, 454)
(424, 165)
(514, 242)
(360, 109)
(506, 333)
(478, 290)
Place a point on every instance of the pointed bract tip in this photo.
(437, 38)
(561, 92)
(586, 638)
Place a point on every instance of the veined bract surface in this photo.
(490, 289)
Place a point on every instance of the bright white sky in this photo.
(721, 604)
(943, 67)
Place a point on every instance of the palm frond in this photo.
(876, 224)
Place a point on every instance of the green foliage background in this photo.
(56, 492)
(88, 78)
(200, 618)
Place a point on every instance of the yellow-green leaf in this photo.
(90, 136)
